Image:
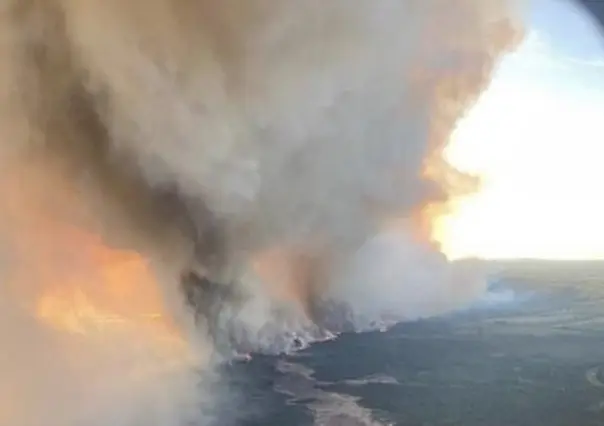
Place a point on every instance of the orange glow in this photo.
(120, 292)
(67, 277)
(449, 96)
(288, 274)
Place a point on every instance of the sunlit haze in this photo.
(535, 138)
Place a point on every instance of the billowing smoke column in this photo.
(184, 178)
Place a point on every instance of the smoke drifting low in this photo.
(187, 178)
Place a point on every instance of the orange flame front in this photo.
(118, 291)
(66, 276)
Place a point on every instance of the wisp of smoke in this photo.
(187, 178)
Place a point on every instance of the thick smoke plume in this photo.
(186, 178)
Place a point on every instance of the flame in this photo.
(68, 278)
(83, 320)
(119, 292)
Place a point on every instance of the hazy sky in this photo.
(537, 138)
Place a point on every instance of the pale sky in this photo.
(537, 139)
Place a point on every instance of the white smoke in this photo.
(392, 279)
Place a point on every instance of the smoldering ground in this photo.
(286, 152)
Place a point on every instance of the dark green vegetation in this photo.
(531, 354)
